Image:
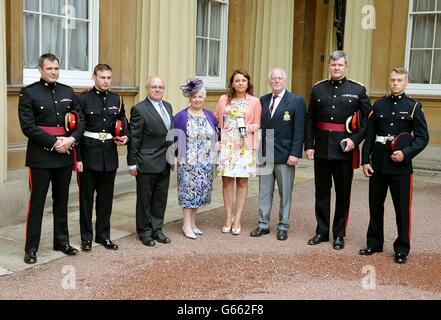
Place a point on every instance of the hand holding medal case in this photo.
(242, 127)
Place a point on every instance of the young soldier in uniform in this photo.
(98, 156)
(42, 110)
(388, 167)
(333, 146)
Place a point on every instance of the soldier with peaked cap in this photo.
(43, 108)
(393, 118)
(98, 156)
(333, 148)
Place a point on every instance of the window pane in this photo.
(31, 5)
(202, 19)
(79, 9)
(77, 47)
(31, 41)
(201, 57)
(423, 28)
(53, 38)
(215, 23)
(423, 5)
(438, 32)
(420, 65)
(438, 6)
(214, 59)
(437, 68)
(53, 6)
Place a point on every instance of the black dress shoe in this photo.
(30, 257)
(108, 244)
(282, 235)
(339, 243)
(67, 249)
(258, 232)
(86, 245)
(400, 258)
(368, 251)
(148, 241)
(162, 238)
(317, 239)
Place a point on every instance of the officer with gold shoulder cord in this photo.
(105, 128)
(50, 116)
(336, 123)
(396, 133)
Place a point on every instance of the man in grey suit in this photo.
(150, 121)
(285, 114)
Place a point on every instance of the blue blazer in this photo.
(288, 124)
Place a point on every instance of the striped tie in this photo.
(272, 105)
(163, 114)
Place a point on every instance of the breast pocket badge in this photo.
(286, 116)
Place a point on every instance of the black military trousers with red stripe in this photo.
(39, 180)
(401, 191)
(341, 172)
(103, 184)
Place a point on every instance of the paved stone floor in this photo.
(223, 266)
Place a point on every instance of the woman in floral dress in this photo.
(196, 140)
(238, 114)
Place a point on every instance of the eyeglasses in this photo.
(277, 78)
(157, 87)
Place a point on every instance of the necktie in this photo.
(163, 114)
(271, 108)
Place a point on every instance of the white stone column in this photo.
(3, 97)
(360, 22)
(331, 44)
(271, 41)
(168, 46)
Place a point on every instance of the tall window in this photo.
(66, 28)
(211, 42)
(423, 54)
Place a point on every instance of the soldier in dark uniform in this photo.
(333, 147)
(392, 115)
(42, 110)
(98, 157)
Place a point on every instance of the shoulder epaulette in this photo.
(62, 84)
(380, 100)
(413, 99)
(115, 93)
(84, 91)
(383, 97)
(320, 81)
(356, 82)
(415, 105)
(31, 85)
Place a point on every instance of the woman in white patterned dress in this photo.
(238, 114)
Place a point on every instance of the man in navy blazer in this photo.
(150, 122)
(285, 114)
